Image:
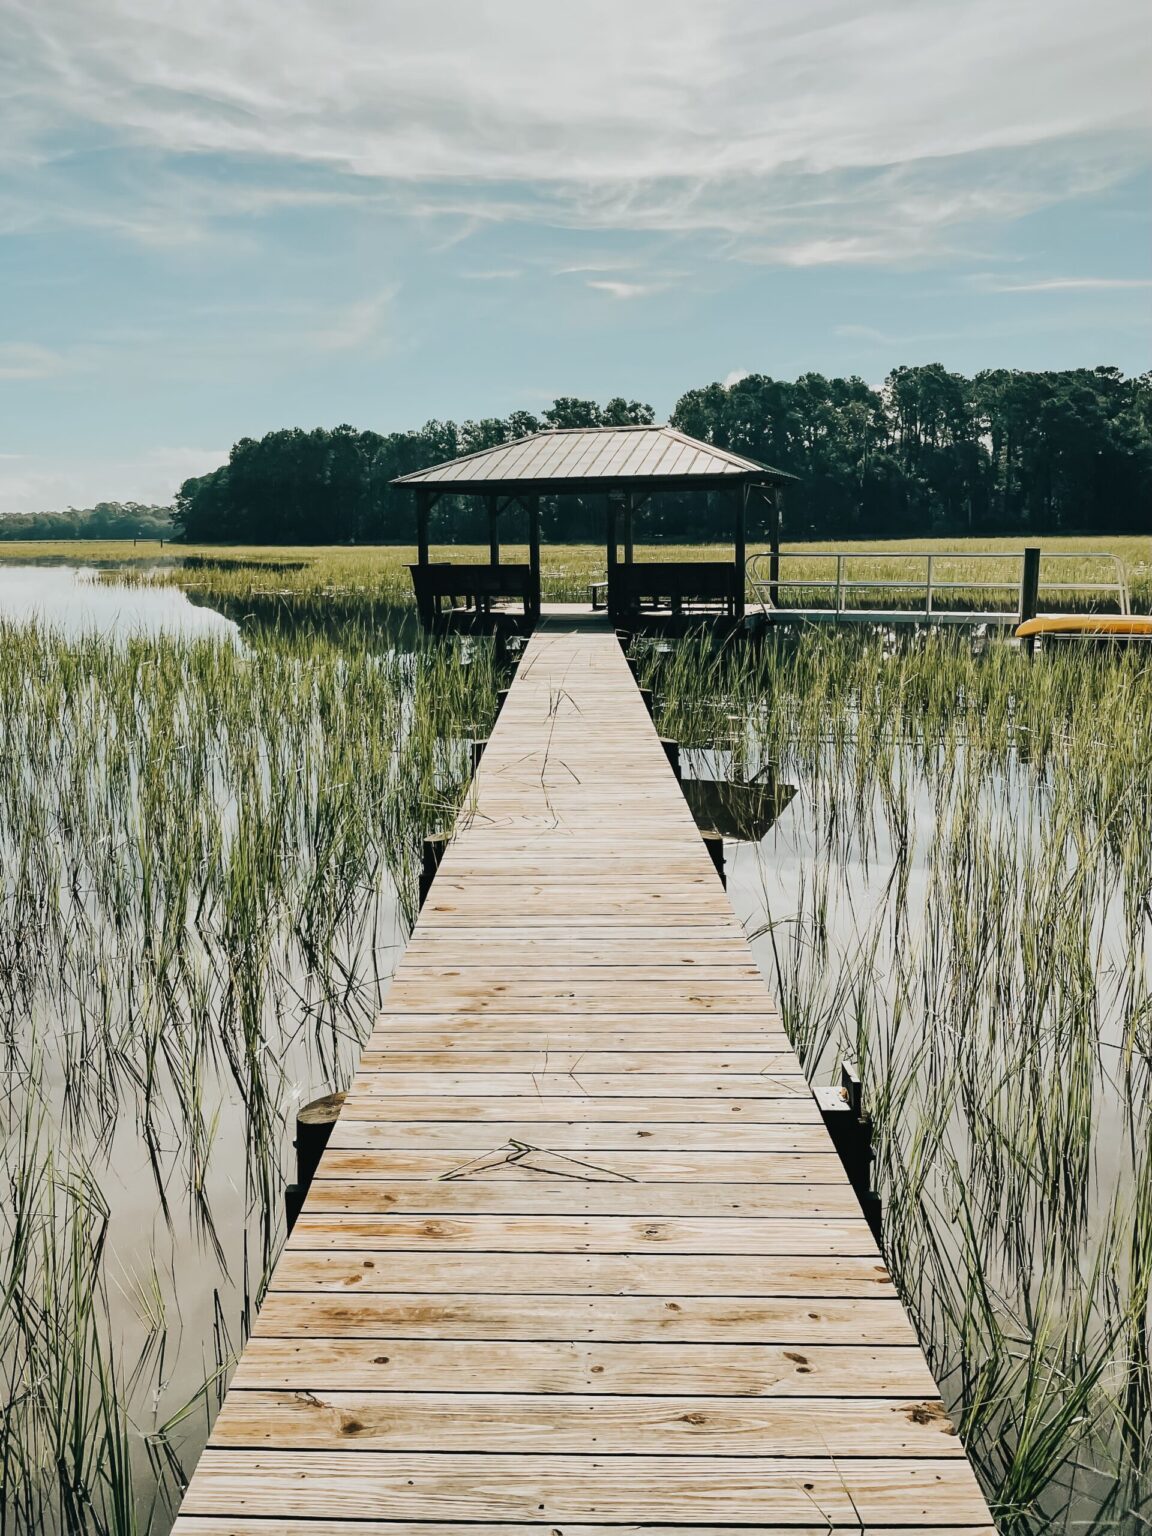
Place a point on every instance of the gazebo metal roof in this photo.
(594, 458)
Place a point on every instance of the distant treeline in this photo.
(931, 452)
(106, 520)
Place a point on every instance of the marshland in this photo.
(211, 809)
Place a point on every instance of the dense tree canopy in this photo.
(934, 452)
(931, 452)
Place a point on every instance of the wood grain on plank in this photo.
(585, 1234)
(715, 1118)
(588, 1189)
(640, 1319)
(463, 1365)
(668, 1275)
(519, 1486)
(532, 1422)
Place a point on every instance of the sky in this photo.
(221, 218)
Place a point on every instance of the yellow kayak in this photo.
(1119, 626)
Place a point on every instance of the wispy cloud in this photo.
(360, 324)
(622, 290)
(29, 360)
(1070, 285)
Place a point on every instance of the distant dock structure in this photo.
(624, 467)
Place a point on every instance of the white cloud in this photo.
(622, 290)
(152, 478)
(29, 360)
(734, 377)
(827, 133)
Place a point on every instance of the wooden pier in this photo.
(579, 1254)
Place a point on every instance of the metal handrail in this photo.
(765, 585)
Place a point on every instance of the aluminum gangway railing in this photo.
(769, 584)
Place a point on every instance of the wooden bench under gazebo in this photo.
(625, 465)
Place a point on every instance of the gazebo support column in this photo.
(740, 548)
(493, 530)
(610, 551)
(426, 606)
(775, 497)
(629, 512)
(533, 505)
(423, 507)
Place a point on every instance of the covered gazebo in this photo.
(626, 465)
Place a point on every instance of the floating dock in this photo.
(579, 1256)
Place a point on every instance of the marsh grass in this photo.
(960, 898)
(346, 576)
(210, 854)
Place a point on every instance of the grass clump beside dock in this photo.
(209, 857)
(959, 898)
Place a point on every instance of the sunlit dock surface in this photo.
(580, 1255)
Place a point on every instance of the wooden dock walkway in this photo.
(579, 1254)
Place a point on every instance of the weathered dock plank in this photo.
(579, 1257)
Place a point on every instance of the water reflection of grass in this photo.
(209, 856)
(960, 898)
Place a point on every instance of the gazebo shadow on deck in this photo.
(625, 465)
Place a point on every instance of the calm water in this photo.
(72, 600)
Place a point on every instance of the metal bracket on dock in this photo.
(313, 1128)
(850, 1127)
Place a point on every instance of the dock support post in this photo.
(478, 745)
(431, 852)
(672, 753)
(850, 1127)
(313, 1128)
(1030, 594)
(714, 843)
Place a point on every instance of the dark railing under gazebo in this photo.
(627, 465)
